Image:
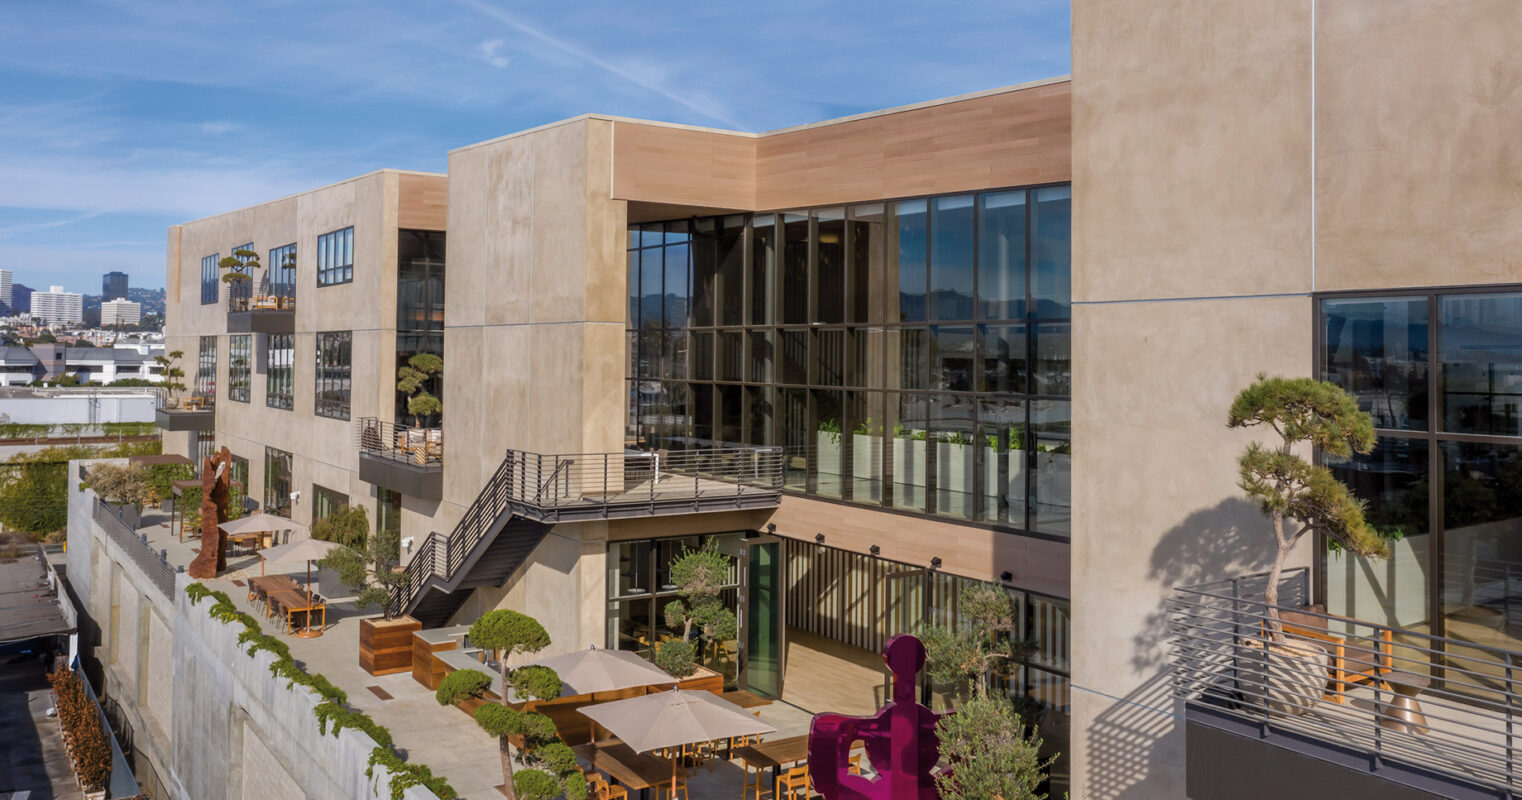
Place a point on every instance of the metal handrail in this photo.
(247, 300)
(419, 447)
(155, 564)
(1468, 692)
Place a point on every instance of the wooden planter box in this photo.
(704, 680)
(385, 646)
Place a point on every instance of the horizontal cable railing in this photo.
(550, 484)
(260, 302)
(154, 563)
(1438, 705)
(420, 447)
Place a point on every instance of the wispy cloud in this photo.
(639, 78)
(489, 52)
(8, 231)
(218, 127)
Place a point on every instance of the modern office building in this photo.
(989, 339)
(5, 289)
(58, 307)
(120, 312)
(113, 286)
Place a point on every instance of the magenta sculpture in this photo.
(900, 739)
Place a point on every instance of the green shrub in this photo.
(461, 685)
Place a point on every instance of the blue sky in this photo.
(119, 118)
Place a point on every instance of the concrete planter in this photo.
(1054, 479)
(866, 464)
(1013, 486)
(953, 476)
(827, 462)
(1289, 677)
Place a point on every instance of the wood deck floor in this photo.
(825, 675)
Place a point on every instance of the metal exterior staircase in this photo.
(529, 493)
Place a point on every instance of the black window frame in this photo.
(209, 279)
(240, 357)
(280, 371)
(335, 257)
(334, 374)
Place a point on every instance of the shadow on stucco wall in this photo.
(1134, 746)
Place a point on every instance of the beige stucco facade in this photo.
(1228, 163)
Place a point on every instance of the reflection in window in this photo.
(1392, 480)
(1052, 238)
(335, 257)
(913, 235)
(1052, 498)
(1001, 255)
(206, 369)
(277, 481)
(1480, 341)
(239, 366)
(951, 258)
(830, 266)
(334, 365)
(1482, 540)
(1377, 350)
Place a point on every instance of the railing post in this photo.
(1511, 711)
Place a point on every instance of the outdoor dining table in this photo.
(775, 754)
(635, 771)
(292, 601)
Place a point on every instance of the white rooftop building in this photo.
(58, 307)
(120, 312)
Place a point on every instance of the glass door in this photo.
(763, 630)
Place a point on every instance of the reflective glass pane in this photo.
(1001, 433)
(864, 416)
(1001, 255)
(758, 415)
(678, 262)
(951, 248)
(1482, 543)
(864, 358)
(731, 286)
(913, 360)
(795, 269)
(763, 259)
(909, 416)
(1051, 245)
(705, 273)
(1377, 350)
(794, 436)
(829, 350)
(1480, 342)
(1003, 354)
(651, 275)
(955, 455)
(795, 355)
(762, 356)
(911, 237)
(866, 267)
(1392, 479)
(731, 355)
(953, 368)
(830, 266)
(829, 474)
(1053, 372)
(730, 399)
(1052, 495)
(701, 355)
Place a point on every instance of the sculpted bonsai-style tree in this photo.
(1300, 497)
(549, 766)
(970, 656)
(172, 376)
(699, 576)
(238, 272)
(366, 563)
(412, 380)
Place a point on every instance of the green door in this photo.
(764, 636)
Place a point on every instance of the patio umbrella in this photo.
(261, 522)
(669, 719)
(307, 550)
(595, 670)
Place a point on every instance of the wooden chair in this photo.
(755, 789)
(855, 762)
(795, 780)
(1350, 664)
(598, 788)
(672, 792)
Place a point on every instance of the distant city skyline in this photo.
(40, 279)
(121, 119)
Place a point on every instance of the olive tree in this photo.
(1298, 496)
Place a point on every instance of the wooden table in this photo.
(745, 699)
(271, 583)
(773, 755)
(633, 770)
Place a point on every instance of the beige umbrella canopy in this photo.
(594, 670)
(669, 719)
(261, 523)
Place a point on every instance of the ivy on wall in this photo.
(333, 713)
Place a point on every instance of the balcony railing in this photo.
(418, 447)
(642, 482)
(153, 563)
(1469, 728)
(237, 303)
(186, 401)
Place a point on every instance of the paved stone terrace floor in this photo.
(32, 756)
(442, 737)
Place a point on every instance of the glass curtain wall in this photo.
(640, 588)
(1441, 374)
(913, 354)
(419, 308)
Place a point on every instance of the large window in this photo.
(334, 360)
(913, 354)
(335, 257)
(206, 369)
(280, 371)
(1441, 374)
(325, 501)
(640, 588)
(280, 272)
(388, 510)
(209, 279)
(277, 481)
(419, 307)
(239, 356)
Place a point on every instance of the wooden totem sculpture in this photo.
(215, 489)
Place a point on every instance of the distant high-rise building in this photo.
(113, 286)
(5, 289)
(120, 312)
(58, 307)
